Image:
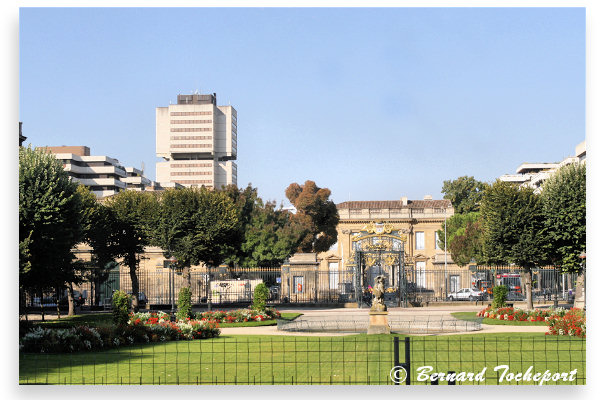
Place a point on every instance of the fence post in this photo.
(407, 358)
(396, 355)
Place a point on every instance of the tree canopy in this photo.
(135, 218)
(271, 237)
(513, 223)
(100, 233)
(464, 236)
(465, 193)
(563, 202)
(317, 213)
(49, 221)
(196, 226)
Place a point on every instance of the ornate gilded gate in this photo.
(379, 250)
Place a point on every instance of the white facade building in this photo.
(198, 141)
(535, 174)
(135, 179)
(105, 176)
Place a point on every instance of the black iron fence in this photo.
(341, 360)
(223, 286)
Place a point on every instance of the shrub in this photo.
(499, 294)
(121, 303)
(85, 338)
(184, 304)
(261, 295)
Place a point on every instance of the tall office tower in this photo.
(198, 141)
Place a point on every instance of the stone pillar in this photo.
(378, 323)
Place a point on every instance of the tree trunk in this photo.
(70, 299)
(42, 304)
(580, 290)
(187, 276)
(135, 285)
(23, 303)
(58, 302)
(528, 294)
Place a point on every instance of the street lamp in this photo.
(445, 258)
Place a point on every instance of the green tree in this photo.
(513, 223)
(464, 235)
(49, 222)
(136, 215)
(563, 199)
(195, 226)
(465, 193)
(246, 201)
(266, 235)
(100, 233)
(317, 213)
(271, 237)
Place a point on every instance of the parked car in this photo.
(142, 299)
(467, 294)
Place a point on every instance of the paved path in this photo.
(272, 330)
(346, 313)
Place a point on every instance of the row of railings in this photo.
(317, 360)
(224, 285)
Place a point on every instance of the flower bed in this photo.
(241, 315)
(572, 323)
(559, 320)
(517, 314)
(141, 328)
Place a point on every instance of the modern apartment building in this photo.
(135, 180)
(535, 174)
(198, 141)
(105, 176)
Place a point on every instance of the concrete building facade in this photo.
(104, 175)
(198, 141)
(533, 175)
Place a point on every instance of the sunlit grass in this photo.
(357, 359)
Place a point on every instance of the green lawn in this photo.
(470, 316)
(93, 319)
(357, 359)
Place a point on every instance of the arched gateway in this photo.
(378, 249)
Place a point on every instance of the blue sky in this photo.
(374, 104)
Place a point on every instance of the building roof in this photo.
(395, 204)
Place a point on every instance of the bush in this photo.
(138, 330)
(261, 295)
(499, 294)
(121, 303)
(184, 304)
